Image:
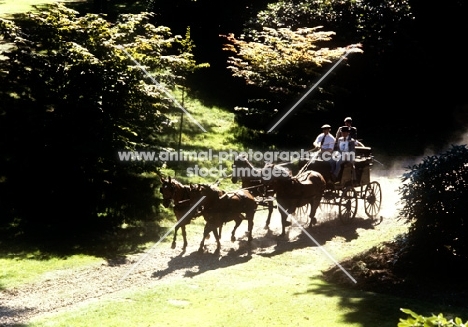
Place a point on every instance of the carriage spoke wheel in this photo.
(348, 204)
(328, 205)
(302, 213)
(372, 199)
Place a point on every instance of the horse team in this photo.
(219, 207)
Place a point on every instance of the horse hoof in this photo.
(233, 238)
(200, 251)
(313, 221)
(173, 246)
(266, 227)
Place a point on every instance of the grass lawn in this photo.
(10, 7)
(283, 290)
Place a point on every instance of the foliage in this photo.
(417, 320)
(70, 100)
(366, 21)
(282, 59)
(283, 63)
(434, 195)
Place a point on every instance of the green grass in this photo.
(283, 290)
(16, 270)
(219, 125)
(10, 7)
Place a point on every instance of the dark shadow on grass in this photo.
(198, 263)
(112, 246)
(6, 311)
(370, 309)
(321, 233)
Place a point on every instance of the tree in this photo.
(370, 22)
(70, 100)
(282, 64)
(374, 24)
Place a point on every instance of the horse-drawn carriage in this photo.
(354, 183)
(340, 197)
(306, 191)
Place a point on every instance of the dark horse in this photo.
(173, 190)
(219, 207)
(293, 192)
(252, 181)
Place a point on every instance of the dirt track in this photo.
(63, 290)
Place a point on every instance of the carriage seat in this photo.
(363, 152)
(363, 157)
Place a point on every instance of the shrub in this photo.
(420, 321)
(434, 195)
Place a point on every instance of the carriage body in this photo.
(359, 174)
(354, 183)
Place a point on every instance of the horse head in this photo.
(167, 190)
(173, 190)
(211, 193)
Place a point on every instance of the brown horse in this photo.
(293, 192)
(219, 207)
(251, 179)
(174, 191)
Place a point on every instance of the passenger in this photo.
(345, 146)
(352, 131)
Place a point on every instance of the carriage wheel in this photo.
(372, 199)
(328, 205)
(302, 213)
(348, 204)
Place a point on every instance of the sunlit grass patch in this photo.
(10, 7)
(16, 270)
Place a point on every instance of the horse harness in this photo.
(185, 196)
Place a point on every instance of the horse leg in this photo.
(218, 243)
(238, 221)
(173, 246)
(184, 234)
(250, 219)
(270, 212)
(284, 223)
(206, 231)
(313, 209)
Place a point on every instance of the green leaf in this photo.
(408, 311)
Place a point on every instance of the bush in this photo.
(434, 194)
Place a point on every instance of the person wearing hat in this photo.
(352, 130)
(325, 141)
(346, 147)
